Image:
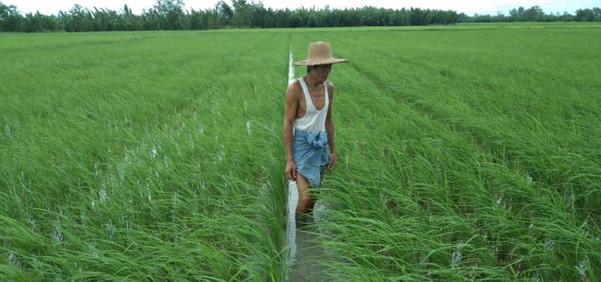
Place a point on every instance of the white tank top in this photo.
(314, 120)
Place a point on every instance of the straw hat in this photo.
(319, 53)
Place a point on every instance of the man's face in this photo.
(322, 72)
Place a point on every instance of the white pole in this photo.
(292, 195)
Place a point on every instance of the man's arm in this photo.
(330, 127)
(289, 116)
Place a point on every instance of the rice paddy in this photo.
(468, 152)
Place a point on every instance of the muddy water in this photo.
(304, 251)
(308, 255)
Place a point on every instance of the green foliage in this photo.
(536, 14)
(466, 152)
(9, 18)
(170, 15)
(588, 15)
(478, 161)
(138, 160)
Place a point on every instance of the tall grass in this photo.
(141, 156)
(464, 153)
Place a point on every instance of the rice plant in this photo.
(464, 153)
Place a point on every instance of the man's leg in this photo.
(304, 196)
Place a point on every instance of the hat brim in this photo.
(316, 62)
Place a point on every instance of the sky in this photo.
(469, 7)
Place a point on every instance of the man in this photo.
(308, 125)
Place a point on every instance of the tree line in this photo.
(536, 14)
(171, 15)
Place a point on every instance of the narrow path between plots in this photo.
(303, 248)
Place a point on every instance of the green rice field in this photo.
(465, 153)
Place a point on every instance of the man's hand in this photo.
(332, 162)
(291, 170)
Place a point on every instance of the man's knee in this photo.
(305, 199)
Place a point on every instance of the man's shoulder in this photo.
(295, 84)
(294, 88)
(330, 86)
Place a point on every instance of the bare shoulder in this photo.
(294, 90)
(330, 88)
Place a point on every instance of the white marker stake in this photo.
(290, 69)
(292, 195)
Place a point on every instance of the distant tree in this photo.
(38, 22)
(225, 12)
(171, 14)
(10, 19)
(585, 15)
(151, 20)
(242, 13)
(129, 20)
(534, 14)
(259, 15)
(566, 17)
(517, 14)
(78, 19)
(103, 20)
(420, 17)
